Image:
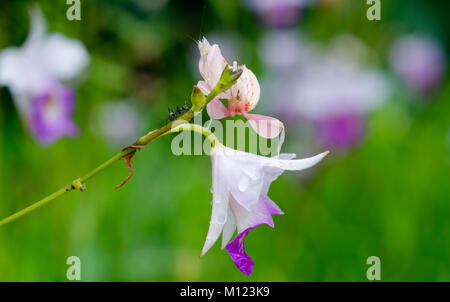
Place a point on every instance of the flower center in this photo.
(52, 108)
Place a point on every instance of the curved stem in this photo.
(196, 128)
(144, 140)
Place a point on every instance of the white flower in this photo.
(240, 186)
(36, 70)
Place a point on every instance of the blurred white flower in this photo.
(117, 121)
(281, 50)
(329, 86)
(37, 69)
(419, 60)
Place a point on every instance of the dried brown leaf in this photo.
(128, 159)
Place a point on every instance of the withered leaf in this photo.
(128, 159)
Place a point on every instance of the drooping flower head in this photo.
(242, 97)
(34, 74)
(240, 187)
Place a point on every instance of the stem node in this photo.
(77, 184)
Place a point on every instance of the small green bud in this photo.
(228, 78)
(78, 185)
(198, 99)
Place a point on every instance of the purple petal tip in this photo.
(236, 249)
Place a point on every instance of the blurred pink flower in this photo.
(33, 74)
(240, 184)
(420, 61)
(341, 131)
(242, 97)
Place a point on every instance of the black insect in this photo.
(185, 106)
(173, 115)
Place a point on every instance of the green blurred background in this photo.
(389, 196)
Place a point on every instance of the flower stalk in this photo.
(227, 79)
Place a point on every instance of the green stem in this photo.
(36, 205)
(144, 140)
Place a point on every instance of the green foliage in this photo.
(388, 197)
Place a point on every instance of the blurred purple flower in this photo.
(420, 61)
(278, 13)
(341, 132)
(34, 72)
(51, 114)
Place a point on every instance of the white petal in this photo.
(20, 73)
(204, 87)
(218, 219)
(229, 228)
(296, 164)
(10, 61)
(63, 57)
(260, 213)
(38, 29)
(243, 174)
(219, 206)
(248, 87)
(211, 63)
(204, 47)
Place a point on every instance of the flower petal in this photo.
(51, 115)
(211, 63)
(219, 206)
(204, 87)
(247, 89)
(243, 176)
(265, 126)
(236, 249)
(260, 213)
(14, 64)
(228, 229)
(62, 57)
(296, 164)
(217, 110)
(218, 219)
(271, 206)
(38, 29)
